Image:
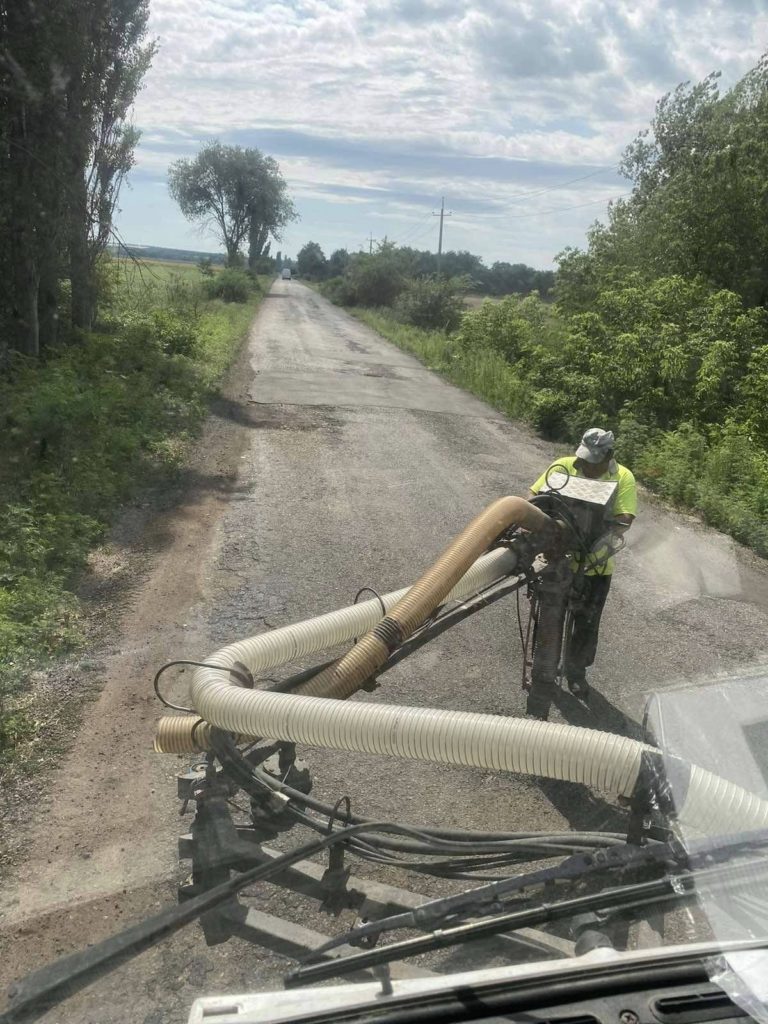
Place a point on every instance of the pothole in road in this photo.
(288, 417)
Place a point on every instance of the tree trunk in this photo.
(257, 238)
(48, 300)
(26, 328)
(233, 258)
(25, 278)
(79, 258)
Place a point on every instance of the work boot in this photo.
(579, 687)
(535, 709)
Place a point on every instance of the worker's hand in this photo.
(604, 548)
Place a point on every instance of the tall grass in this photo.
(483, 371)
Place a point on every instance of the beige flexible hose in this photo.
(345, 676)
(184, 734)
(181, 734)
(607, 763)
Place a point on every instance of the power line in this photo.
(416, 229)
(423, 233)
(552, 188)
(562, 209)
(442, 215)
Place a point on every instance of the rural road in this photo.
(333, 461)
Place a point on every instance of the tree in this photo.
(338, 262)
(31, 148)
(462, 264)
(270, 211)
(697, 206)
(311, 262)
(69, 73)
(237, 193)
(376, 279)
(106, 61)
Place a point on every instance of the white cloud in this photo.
(413, 98)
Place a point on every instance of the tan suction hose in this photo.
(184, 734)
(607, 763)
(345, 676)
(458, 570)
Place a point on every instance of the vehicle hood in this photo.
(737, 966)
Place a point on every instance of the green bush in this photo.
(83, 430)
(500, 327)
(374, 280)
(432, 303)
(176, 335)
(339, 290)
(230, 285)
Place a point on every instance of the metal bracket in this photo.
(334, 882)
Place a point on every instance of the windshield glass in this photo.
(387, 382)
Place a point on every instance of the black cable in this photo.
(245, 680)
(563, 472)
(529, 640)
(549, 497)
(460, 865)
(38, 991)
(436, 842)
(375, 593)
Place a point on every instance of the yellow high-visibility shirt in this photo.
(624, 499)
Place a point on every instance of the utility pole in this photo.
(441, 215)
(370, 244)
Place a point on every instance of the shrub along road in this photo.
(334, 460)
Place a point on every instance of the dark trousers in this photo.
(585, 625)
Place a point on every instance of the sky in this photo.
(516, 112)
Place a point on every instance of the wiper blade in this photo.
(678, 888)
(490, 899)
(38, 991)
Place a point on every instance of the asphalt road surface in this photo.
(333, 461)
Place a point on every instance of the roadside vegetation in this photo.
(106, 361)
(86, 429)
(659, 330)
(360, 276)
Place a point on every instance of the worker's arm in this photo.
(537, 485)
(620, 524)
(612, 541)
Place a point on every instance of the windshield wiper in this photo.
(690, 866)
(37, 992)
(41, 989)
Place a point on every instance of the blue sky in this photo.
(516, 111)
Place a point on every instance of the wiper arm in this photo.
(490, 899)
(678, 888)
(38, 991)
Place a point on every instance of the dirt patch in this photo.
(269, 416)
(356, 347)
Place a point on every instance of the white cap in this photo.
(596, 445)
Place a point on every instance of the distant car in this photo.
(286, 274)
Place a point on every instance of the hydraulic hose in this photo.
(345, 676)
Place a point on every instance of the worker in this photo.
(595, 460)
